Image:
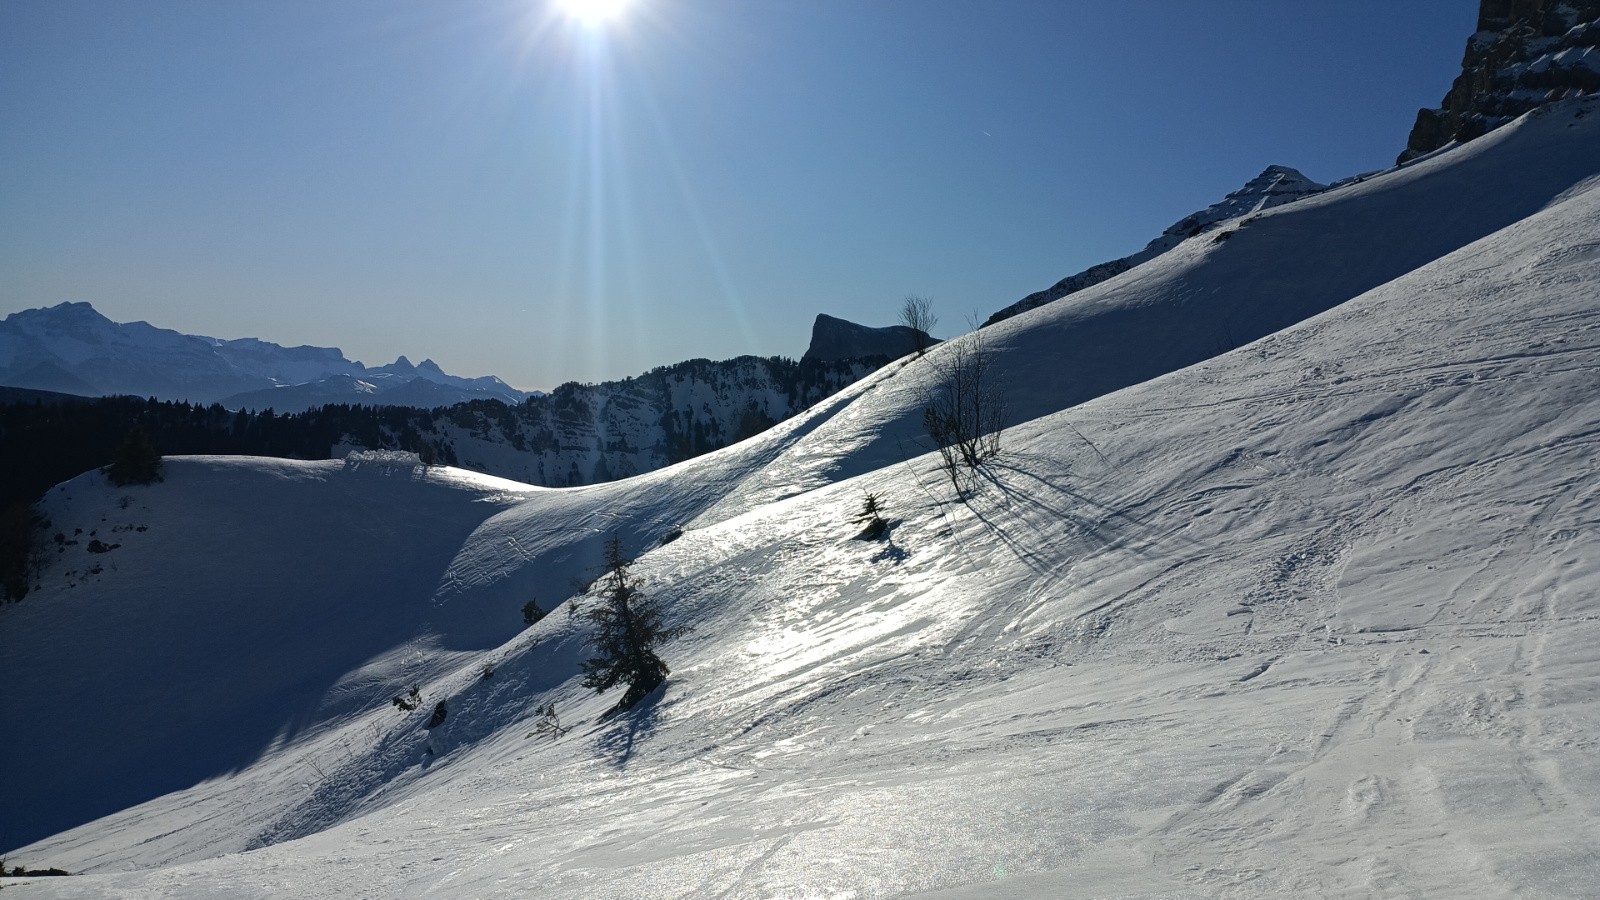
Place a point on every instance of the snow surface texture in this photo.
(1315, 617)
(74, 349)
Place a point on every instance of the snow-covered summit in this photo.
(71, 347)
(1274, 187)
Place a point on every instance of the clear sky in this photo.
(513, 191)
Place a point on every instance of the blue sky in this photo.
(510, 192)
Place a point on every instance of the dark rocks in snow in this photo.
(1525, 54)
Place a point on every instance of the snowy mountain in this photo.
(1525, 54)
(577, 434)
(1313, 617)
(586, 433)
(1274, 187)
(72, 348)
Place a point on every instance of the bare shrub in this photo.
(916, 313)
(547, 723)
(965, 410)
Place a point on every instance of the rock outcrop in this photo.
(1274, 187)
(1525, 54)
(836, 339)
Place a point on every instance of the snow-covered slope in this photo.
(1314, 617)
(71, 347)
(1274, 187)
(259, 589)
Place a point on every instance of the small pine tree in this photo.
(531, 613)
(628, 628)
(871, 518)
(137, 460)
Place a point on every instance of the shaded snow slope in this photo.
(238, 604)
(1314, 617)
(1274, 187)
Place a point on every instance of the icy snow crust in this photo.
(1315, 617)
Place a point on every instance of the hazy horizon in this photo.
(507, 191)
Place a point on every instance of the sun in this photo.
(593, 12)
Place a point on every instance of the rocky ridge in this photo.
(589, 433)
(833, 338)
(1524, 55)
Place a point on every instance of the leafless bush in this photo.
(965, 411)
(548, 723)
(916, 313)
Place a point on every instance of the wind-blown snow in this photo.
(1315, 617)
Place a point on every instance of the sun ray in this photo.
(593, 12)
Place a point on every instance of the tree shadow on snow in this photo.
(628, 727)
(1023, 493)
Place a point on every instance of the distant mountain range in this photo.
(326, 405)
(71, 348)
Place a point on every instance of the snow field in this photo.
(1316, 617)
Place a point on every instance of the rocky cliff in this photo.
(588, 433)
(833, 338)
(1525, 54)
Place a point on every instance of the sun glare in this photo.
(593, 12)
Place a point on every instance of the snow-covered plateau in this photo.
(1315, 617)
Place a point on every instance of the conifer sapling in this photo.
(628, 628)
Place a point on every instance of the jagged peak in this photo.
(1526, 54)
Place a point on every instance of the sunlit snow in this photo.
(1314, 617)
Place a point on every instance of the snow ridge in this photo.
(1274, 187)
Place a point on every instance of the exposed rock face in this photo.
(1274, 187)
(833, 339)
(1525, 54)
(587, 433)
